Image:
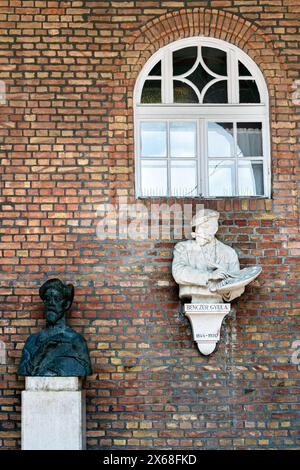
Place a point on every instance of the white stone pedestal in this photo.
(206, 321)
(53, 414)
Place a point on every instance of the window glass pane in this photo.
(184, 59)
(221, 177)
(156, 70)
(183, 178)
(215, 59)
(249, 92)
(220, 139)
(217, 93)
(183, 93)
(250, 178)
(249, 139)
(243, 71)
(154, 177)
(153, 139)
(183, 139)
(151, 92)
(200, 77)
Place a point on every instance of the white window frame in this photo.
(202, 113)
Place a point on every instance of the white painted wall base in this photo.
(53, 414)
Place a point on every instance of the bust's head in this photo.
(205, 226)
(57, 298)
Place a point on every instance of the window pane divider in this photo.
(168, 160)
(236, 183)
(203, 160)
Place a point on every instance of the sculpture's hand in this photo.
(212, 285)
(219, 274)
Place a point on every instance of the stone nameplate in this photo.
(207, 308)
(206, 320)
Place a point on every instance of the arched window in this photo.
(201, 122)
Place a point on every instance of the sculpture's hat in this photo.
(67, 289)
(203, 215)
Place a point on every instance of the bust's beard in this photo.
(204, 240)
(53, 318)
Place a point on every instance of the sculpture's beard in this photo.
(53, 317)
(205, 238)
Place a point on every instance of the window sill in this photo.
(207, 198)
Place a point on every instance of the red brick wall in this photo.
(67, 146)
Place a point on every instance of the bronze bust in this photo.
(57, 350)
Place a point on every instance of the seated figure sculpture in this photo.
(206, 269)
(57, 350)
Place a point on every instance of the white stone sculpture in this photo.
(208, 272)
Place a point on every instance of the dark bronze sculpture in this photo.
(57, 350)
